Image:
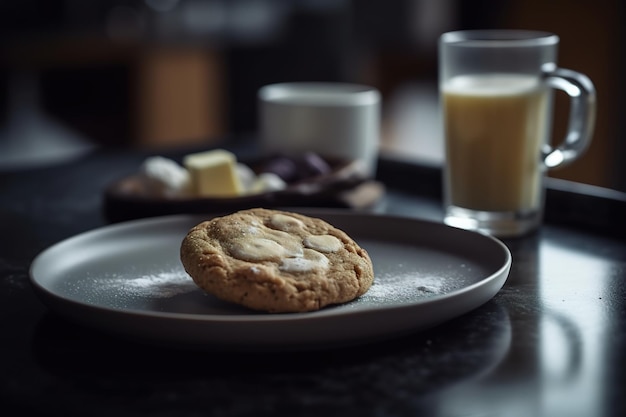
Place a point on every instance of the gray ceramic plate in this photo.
(127, 279)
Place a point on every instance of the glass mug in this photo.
(496, 89)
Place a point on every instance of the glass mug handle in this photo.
(582, 114)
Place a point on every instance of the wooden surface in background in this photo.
(179, 96)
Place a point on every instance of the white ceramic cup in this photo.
(337, 120)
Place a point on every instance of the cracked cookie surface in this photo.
(276, 261)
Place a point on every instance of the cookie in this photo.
(276, 261)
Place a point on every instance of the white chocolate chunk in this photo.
(323, 243)
(246, 176)
(267, 182)
(311, 260)
(256, 250)
(213, 174)
(165, 176)
(291, 244)
(285, 223)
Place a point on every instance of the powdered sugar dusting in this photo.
(164, 284)
(406, 287)
(155, 285)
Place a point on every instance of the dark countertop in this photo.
(550, 343)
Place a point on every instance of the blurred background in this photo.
(152, 74)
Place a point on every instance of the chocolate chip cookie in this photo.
(276, 261)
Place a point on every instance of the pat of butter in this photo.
(213, 174)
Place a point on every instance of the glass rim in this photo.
(499, 38)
